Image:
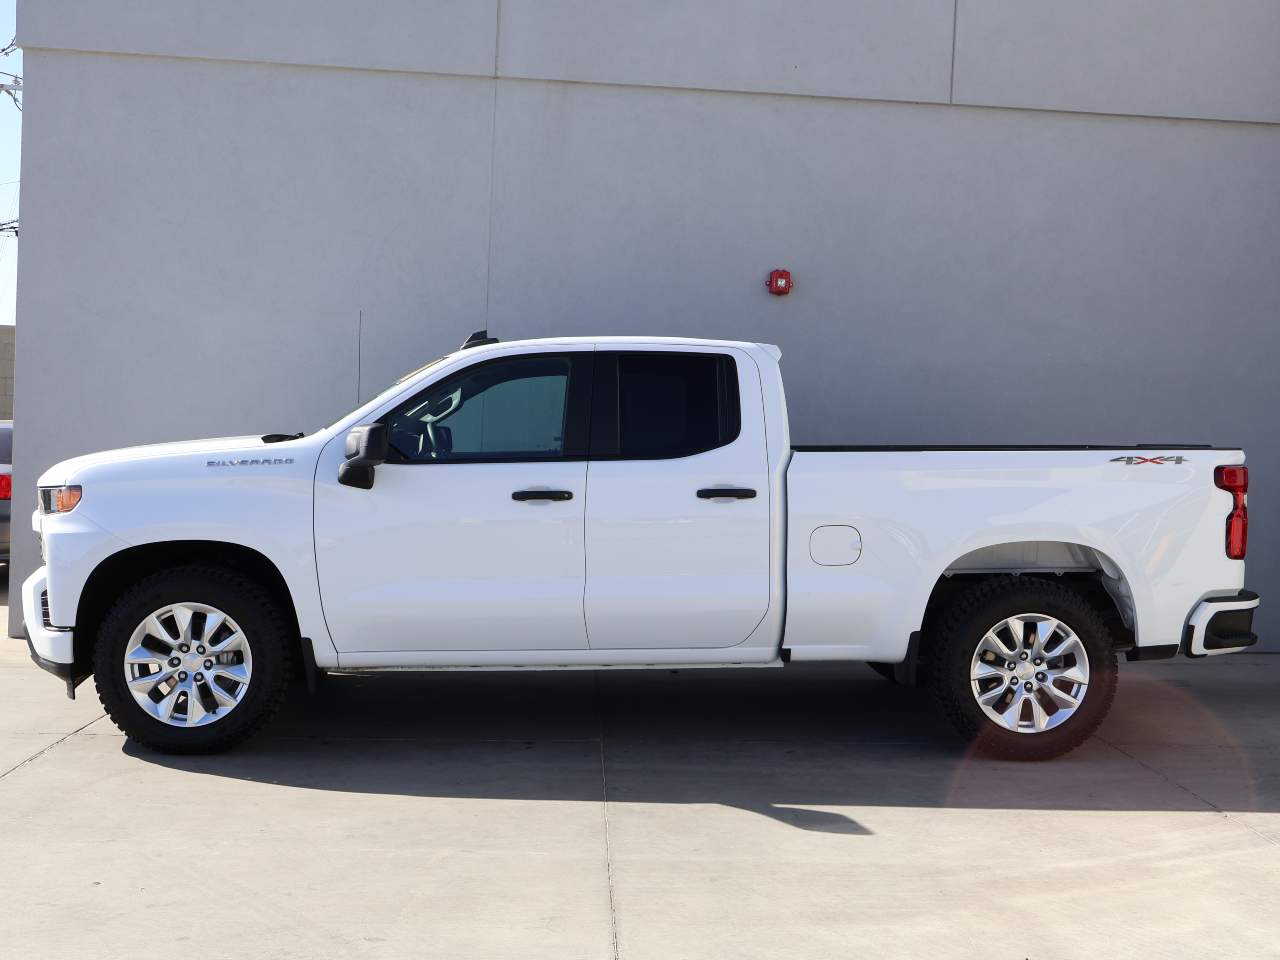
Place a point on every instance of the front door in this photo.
(472, 536)
(677, 501)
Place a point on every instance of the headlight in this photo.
(59, 499)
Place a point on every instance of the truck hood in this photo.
(68, 470)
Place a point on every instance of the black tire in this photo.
(263, 625)
(885, 670)
(963, 625)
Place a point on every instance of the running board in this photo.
(583, 658)
(438, 668)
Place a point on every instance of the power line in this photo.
(14, 86)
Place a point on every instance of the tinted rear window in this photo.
(675, 404)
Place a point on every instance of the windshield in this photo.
(413, 373)
(390, 391)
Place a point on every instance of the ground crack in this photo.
(1185, 789)
(41, 752)
(604, 809)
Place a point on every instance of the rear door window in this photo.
(655, 406)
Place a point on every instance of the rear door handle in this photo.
(527, 495)
(726, 493)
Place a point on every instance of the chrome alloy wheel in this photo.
(188, 665)
(1029, 673)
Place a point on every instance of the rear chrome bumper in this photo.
(1221, 625)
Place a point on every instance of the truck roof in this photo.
(629, 341)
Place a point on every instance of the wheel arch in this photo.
(1091, 571)
(120, 570)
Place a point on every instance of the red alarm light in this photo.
(779, 283)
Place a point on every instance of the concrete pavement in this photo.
(806, 812)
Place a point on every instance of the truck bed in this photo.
(910, 448)
(1149, 518)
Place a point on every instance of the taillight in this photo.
(6, 486)
(1235, 480)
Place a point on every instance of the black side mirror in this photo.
(366, 448)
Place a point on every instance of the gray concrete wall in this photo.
(7, 347)
(243, 222)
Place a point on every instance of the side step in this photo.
(534, 667)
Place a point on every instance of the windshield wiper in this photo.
(281, 437)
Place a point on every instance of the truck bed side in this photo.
(1149, 520)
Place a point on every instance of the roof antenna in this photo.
(480, 338)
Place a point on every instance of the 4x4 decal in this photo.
(1138, 461)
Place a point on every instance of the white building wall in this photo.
(243, 216)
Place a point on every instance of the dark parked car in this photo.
(6, 485)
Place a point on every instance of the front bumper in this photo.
(51, 648)
(1221, 625)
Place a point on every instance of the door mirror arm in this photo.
(366, 448)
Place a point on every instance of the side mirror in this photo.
(366, 448)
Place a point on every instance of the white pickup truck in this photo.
(627, 503)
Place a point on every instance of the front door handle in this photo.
(726, 493)
(526, 495)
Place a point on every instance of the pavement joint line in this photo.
(604, 810)
(1172, 782)
(41, 752)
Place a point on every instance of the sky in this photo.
(10, 156)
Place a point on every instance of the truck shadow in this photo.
(791, 745)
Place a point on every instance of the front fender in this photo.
(238, 497)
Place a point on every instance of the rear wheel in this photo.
(1024, 668)
(192, 660)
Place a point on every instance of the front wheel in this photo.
(192, 660)
(1024, 668)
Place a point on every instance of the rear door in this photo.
(677, 524)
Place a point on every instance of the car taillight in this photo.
(1235, 480)
(6, 486)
